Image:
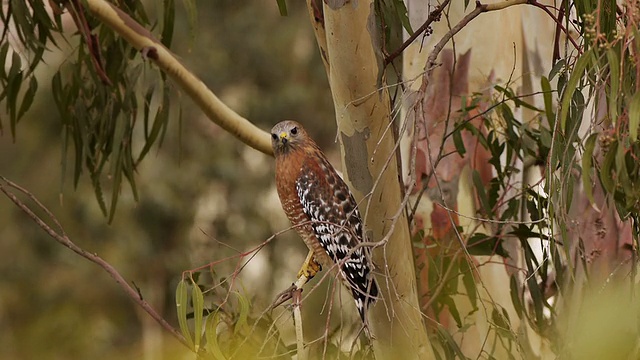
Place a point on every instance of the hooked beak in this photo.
(284, 138)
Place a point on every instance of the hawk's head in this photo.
(287, 135)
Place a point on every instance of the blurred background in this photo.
(202, 193)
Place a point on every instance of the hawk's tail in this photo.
(365, 294)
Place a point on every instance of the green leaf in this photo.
(622, 174)
(482, 195)
(453, 310)
(282, 7)
(587, 163)
(572, 84)
(548, 102)
(634, 116)
(482, 245)
(469, 282)
(192, 19)
(532, 285)
(449, 342)
(169, 15)
(13, 88)
(500, 320)
(159, 124)
(4, 51)
(605, 172)
(607, 20)
(181, 312)
(457, 141)
(119, 141)
(403, 15)
(614, 81)
(29, 95)
(242, 322)
(198, 314)
(556, 68)
(515, 296)
(213, 348)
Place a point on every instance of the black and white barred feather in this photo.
(336, 222)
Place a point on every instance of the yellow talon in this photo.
(310, 267)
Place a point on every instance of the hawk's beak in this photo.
(284, 137)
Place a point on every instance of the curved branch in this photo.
(64, 240)
(213, 107)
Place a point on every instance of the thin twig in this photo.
(479, 9)
(64, 240)
(433, 17)
(77, 14)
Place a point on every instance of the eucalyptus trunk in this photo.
(349, 45)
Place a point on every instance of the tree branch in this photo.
(64, 240)
(297, 319)
(479, 9)
(433, 17)
(213, 107)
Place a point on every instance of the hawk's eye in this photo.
(274, 136)
(294, 131)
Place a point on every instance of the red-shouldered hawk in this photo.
(323, 211)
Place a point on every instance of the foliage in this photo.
(97, 94)
(584, 141)
(587, 147)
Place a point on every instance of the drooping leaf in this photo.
(28, 97)
(515, 296)
(469, 282)
(169, 15)
(282, 7)
(572, 85)
(480, 190)
(587, 163)
(457, 141)
(192, 19)
(243, 314)
(403, 15)
(548, 102)
(450, 343)
(606, 177)
(634, 116)
(181, 311)
(614, 83)
(483, 245)
(198, 314)
(213, 347)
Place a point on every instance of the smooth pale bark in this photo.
(348, 45)
(510, 44)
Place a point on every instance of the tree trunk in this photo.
(346, 34)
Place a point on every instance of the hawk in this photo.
(323, 211)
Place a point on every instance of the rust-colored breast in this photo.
(288, 170)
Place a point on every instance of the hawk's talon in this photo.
(310, 267)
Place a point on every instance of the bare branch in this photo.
(297, 319)
(433, 16)
(64, 240)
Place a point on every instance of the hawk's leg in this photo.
(308, 270)
(310, 267)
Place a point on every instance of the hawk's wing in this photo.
(336, 223)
